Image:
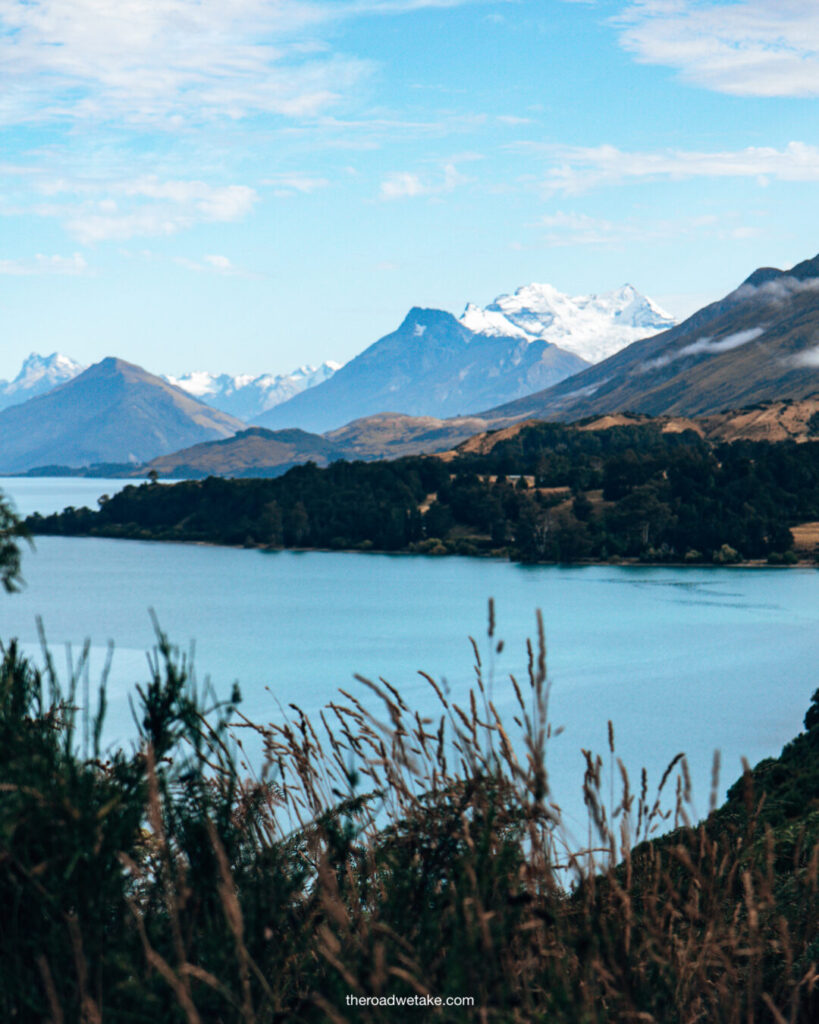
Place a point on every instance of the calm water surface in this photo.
(693, 659)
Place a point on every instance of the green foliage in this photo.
(12, 532)
(382, 860)
(626, 492)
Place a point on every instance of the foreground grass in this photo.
(388, 859)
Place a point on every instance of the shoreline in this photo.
(626, 563)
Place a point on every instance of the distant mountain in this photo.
(246, 396)
(591, 326)
(431, 366)
(758, 344)
(38, 375)
(111, 412)
(254, 452)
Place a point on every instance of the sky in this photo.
(246, 186)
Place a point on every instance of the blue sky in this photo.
(249, 185)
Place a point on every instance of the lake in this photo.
(689, 659)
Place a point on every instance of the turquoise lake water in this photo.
(687, 659)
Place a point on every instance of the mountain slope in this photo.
(246, 396)
(759, 343)
(37, 375)
(431, 366)
(391, 435)
(591, 326)
(112, 412)
(258, 452)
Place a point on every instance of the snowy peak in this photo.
(490, 322)
(37, 375)
(591, 326)
(246, 396)
(52, 370)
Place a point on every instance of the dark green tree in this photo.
(11, 532)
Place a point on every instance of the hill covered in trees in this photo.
(547, 493)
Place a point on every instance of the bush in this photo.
(726, 555)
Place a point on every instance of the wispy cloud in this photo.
(215, 263)
(406, 185)
(750, 48)
(809, 359)
(577, 169)
(177, 61)
(725, 344)
(98, 210)
(780, 289)
(572, 229)
(706, 346)
(290, 184)
(71, 266)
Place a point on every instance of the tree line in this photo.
(551, 493)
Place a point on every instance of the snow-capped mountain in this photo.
(758, 344)
(432, 365)
(38, 375)
(246, 396)
(593, 327)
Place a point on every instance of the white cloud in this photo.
(177, 61)
(580, 229)
(577, 169)
(99, 210)
(288, 184)
(749, 48)
(404, 185)
(571, 229)
(730, 341)
(220, 263)
(780, 289)
(808, 359)
(706, 346)
(215, 263)
(71, 266)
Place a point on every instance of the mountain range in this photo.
(111, 412)
(756, 347)
(246, 396)
(590, 326)
(452, 369)
(758, 344)
(437, 365)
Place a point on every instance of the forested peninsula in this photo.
(549, 493)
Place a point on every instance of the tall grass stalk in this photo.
(377, 855)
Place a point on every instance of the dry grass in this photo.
(805, 538)
(389, 855)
